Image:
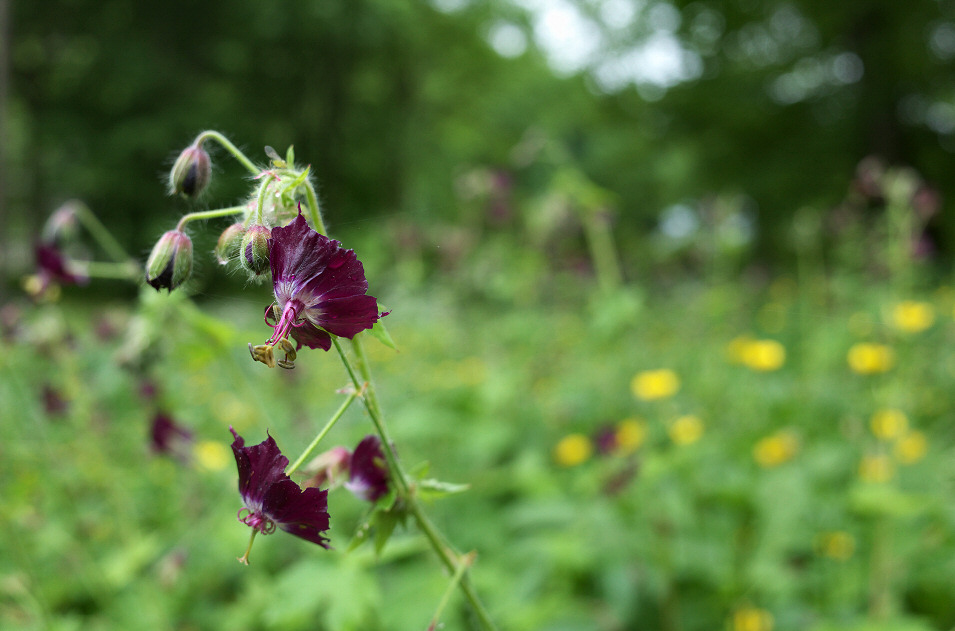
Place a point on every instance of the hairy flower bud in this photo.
(170, 262)
(191, 173)
(230, 242)
(255, 249)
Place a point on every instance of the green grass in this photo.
(491, 373)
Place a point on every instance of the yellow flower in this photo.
(630, 434)
(867, 358)
(889, 424)
(776, 449)
(573, 450)
(876, 468)
(912, 316)
(911, 448)
(838, 545)
(211, 455)
(763, 355)
(686, 430)
(737, 347)
(650, 385)
(752, 619)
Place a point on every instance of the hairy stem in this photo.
(328, 426)
(209, 214)
(222, 140)
(451, 559)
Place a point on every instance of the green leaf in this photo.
(433, 489)
(381, 334)
(290, 156)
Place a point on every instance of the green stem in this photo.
(260, 204)
(123, 271)
(446, 554)
(603, 252)
(209, 214)
(328, 426)
(222, 140)
(466, 561)
(99, 232)
(313, 209)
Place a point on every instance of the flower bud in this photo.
(170, 262)
(255, 249)
(191, 173)
(230, 242)
(328, 469)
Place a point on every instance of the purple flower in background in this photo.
(319, 291)
(52, 270)
(167, 436)
(272, 499)
(368, 470)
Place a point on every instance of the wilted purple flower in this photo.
(167, 436)
(368, 470)
(319, 291)
(272, 499)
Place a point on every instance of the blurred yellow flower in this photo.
(912, 316)
(752, 619)
(212, 455)
(867, 358)
(686, 430)
(630, 434)
(573, 450)
(838, 545)
(911, 448)
(736, 349)
(889, 424)
(876, 468)
(763, 355)
(776, 449)
(650, 385)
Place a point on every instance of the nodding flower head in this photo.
(254, 250)
(319, 292)
(170, 263)
(227, 248)
(191, 173)
(272, 500)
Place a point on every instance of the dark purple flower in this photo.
(52, 270)
(167, 436)
(319, 292)
(272, 499)
(53, 402)
(368, 470)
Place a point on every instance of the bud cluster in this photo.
(275, 200)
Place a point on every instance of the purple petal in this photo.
(51, 261)
(312, 337)
(301, 513)
(369, 470)
(260, 467)
(347, 316)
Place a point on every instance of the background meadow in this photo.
(685, 340)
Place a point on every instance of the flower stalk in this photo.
(231, 148)
(328, 426)
(209, 214)
(451, 559)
